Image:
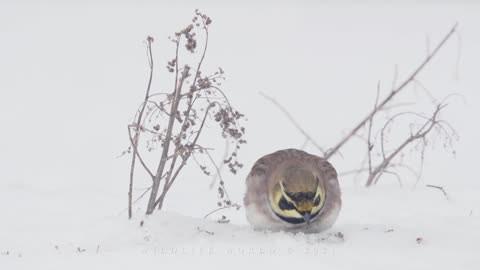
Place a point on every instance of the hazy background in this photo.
(72, 75)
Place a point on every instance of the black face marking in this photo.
(317, 201)
(301, 196)
(285, 205)
(293, 220)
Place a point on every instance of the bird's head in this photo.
(298, 196)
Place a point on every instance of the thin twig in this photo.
(205, 231)
(399, 179)
(354, 171)
(135, 149)
(293, 121)
(137, 199)
(441, 189)
(420, 134)
(171, 179)
(369, 140)
(136, 138)
(168, 136)
(218, 209)
(389, 122)
(222, 165)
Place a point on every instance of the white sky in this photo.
(72, 76)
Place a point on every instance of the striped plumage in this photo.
(291, 190)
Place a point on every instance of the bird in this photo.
(294, 191)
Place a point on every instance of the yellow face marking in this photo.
(320, 193)
(279, 193)
(274, 199)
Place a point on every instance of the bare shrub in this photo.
(422, 129)
(170, 124)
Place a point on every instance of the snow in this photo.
(72, 76)
(380, 227)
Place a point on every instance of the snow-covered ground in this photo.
(72, 76)
(378, 228)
